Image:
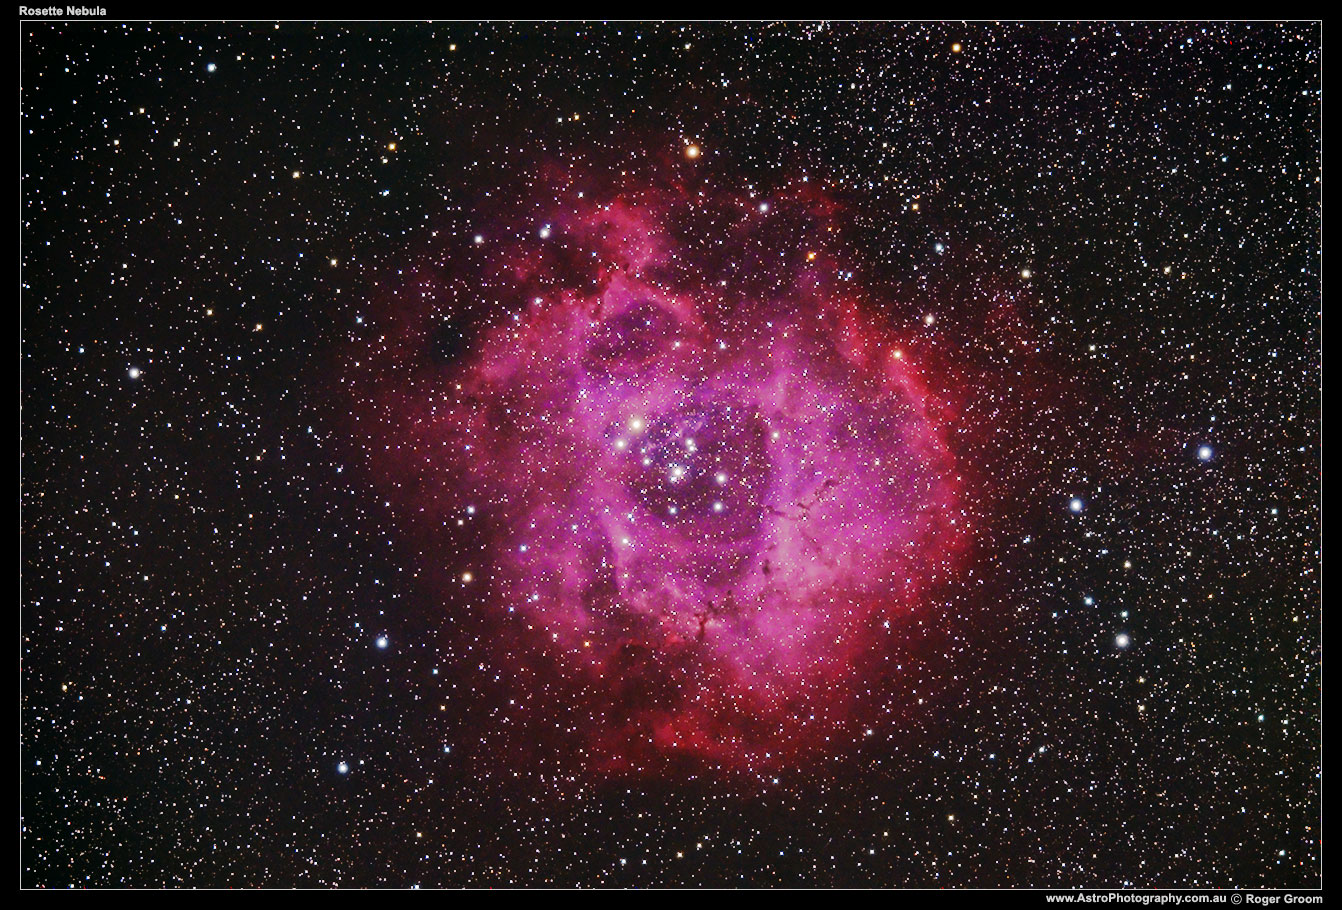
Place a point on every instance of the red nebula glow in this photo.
(710, 507)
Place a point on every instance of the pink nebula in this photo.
(710, 510)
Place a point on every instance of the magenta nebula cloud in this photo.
(712, 514)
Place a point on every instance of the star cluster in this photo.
(645, 454)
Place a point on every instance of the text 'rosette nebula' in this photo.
(712, 506)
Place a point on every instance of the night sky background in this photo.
(256, 653)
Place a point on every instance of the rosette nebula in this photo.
(714, 512)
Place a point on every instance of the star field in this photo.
(638, 455)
